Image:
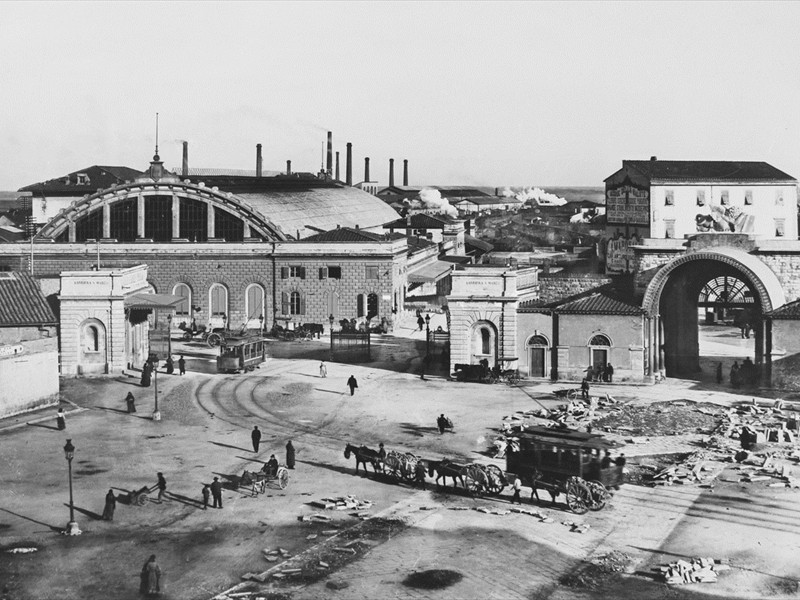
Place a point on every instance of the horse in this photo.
(363, 456)
(551, 487)
(445, 468)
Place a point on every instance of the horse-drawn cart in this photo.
(258, 481)
(139, 497)
(401, 465)
(566, 461)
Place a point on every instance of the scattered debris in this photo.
(22, 550)
(698, 570)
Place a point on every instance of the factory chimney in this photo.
(337, 166)
(405, 172)
(391, 172)
(366, 169)
(185, 166)
(288, 167)
(258, 160)
(329, 164)
(349, 165)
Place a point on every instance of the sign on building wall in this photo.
(11, 350)
(627, 204)
(619, 254)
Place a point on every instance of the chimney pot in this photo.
(405, 172)
(258, 160)
(366, 169)
(337, 166)
(653, 158)
(391, 172)
(288, 167)
(329, 163)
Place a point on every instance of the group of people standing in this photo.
(169, 368)
(746, 374)
(600, 372)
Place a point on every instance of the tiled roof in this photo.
(348, 234)
(706, 170)
(788, 311)
(22, 302)
(599, 301)
(420, 221)
(98, 177)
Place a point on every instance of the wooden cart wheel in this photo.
(598, 495)
(496, 479)
(578, 495)
(213, 340)
(141, 499)
(283, 478)
(472, 479)
(187, 336)
(393, 470)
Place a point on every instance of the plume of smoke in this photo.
(430, 199)
(536, 196)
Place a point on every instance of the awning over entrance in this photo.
(150, 301)
(430, 272)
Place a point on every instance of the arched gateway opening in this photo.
(727, 288)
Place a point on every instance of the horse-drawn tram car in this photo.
(569, 462)
(241, 353)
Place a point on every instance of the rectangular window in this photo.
(284, 272)
(298, 272)
(372, 272)
(780, 227)
(748, 197)
(669, 198)
(701, 197)
(724, 199)
(330, 272)
(669, 229)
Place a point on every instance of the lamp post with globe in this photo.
(72, 526)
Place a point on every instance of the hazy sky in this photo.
(470, 93)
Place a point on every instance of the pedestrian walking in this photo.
(352, 384)
(61, 418)
(130, 401)
(216, 492)
(419, 474)
(420, 322)
(182, 365)
(609, 373)
(441, 423)
(147, 371)
(162, 487)
(111, 504)
(323, 369)
(735, 374)
(289, 455)
(170, 366)
(719, 372)
(151, 577)
(585, 389)
(255, 435)
(517, 486)
(206, 495)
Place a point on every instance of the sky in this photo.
(470, 93)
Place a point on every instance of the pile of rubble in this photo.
(698, 570)
(694, 468)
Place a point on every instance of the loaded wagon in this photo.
(569, 462)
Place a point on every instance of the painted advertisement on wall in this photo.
(619, 255)
(628, 204)
(725, 218)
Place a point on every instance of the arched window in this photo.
(184, 309)
(486, 341)
(361, 308)
(254, 302)
(599, 340)
(538, 340)
(92, 339)
(218, 300)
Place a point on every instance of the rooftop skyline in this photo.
(480, 94)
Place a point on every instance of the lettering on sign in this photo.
(628, 204)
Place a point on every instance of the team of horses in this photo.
(472, 477)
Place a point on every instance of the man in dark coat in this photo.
(609, 373)
(585, 389)
(419, 474)
(256, 437)
(352, 384)
(111, 504)
(147, 370)
(162, 487)
(216, 492)
(170, 366)
(441, 423)
(182, 365)
(130, 401)
(289, 454)
(271, 466)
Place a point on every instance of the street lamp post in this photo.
(261, 325)
(427, 335)
(331, 320)
(72, 526)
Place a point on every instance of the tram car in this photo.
(239, 354)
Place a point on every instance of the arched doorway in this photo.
(538, 347)
(726, 287)
(483, 342)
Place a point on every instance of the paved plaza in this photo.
(205, 433)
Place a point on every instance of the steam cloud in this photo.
(431, 199)
(534, 195)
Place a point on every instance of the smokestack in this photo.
(185, 166)
(288, 167)
(391, 172)
(405, 172)
(366, 169)
(329, 164)
(258, 160)
(349, 165)
(337, 166)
